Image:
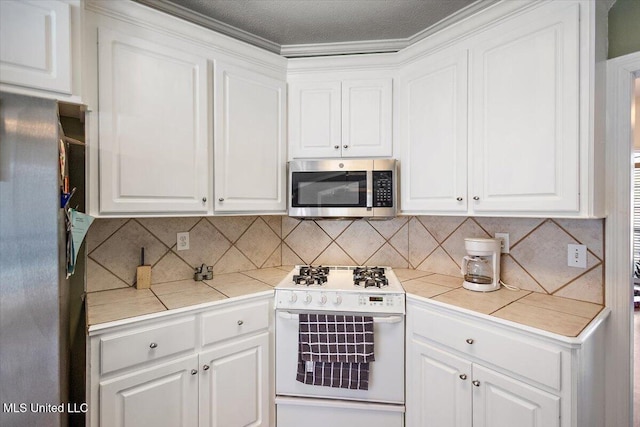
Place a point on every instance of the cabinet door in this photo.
(525, 113)
(438, 388)
(315, 119)
(500, 401)
(249, 149)
(433, 133)
(366, 118)
(234, 387)
(153, 126)
(35, 44)
(164, 396)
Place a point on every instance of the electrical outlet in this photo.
(577, 256)
(183, 241)
(504, 248)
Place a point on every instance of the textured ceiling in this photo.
(317, 27)
(287, 22)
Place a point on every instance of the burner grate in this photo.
(370, 277)
(310, 275)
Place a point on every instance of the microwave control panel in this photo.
(382, 189)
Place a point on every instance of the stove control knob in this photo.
(307, 299)
(323, 299)
(337, 300)
(293, 297)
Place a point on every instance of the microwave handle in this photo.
(387, 319)
(369, 189)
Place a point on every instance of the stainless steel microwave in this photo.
(343, 188)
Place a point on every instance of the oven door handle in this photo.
(385, 319)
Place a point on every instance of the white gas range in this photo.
(345, 289)
(374, 292)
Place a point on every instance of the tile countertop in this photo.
(558, 315)
(123, 303)
(550, 313)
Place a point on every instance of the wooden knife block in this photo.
(143, 277)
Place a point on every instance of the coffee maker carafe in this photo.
(481, 267)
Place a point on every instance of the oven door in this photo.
(386, 373)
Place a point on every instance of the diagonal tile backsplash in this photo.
(536, 262)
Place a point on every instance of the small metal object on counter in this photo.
(204, 272)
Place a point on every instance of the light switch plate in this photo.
(183, 241)
(577, 256)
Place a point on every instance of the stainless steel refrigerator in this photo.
(41, 311)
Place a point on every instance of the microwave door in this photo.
(330, 193)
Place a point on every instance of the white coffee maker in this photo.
(481, 267)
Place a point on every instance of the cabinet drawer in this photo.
(530, 359)
(146, 344)
(234, 321)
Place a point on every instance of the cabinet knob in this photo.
(463, 376)
(221, 199)
(240, 322)
(336, 146)
(194, 371)
(476, 198)
(469, 340)
(476, 383)
(345, 146)
(153, 345)
(459, 199)
(204, 200)
(205, 367)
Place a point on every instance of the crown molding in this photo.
(342, 48)
(315, 49)
(212, 24)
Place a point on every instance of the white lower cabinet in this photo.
(454, 392)
(163, 396)
(465, 371)
(168, 372)
(233, 381)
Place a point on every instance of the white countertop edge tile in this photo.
(573, 342)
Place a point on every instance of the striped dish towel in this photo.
(335, 350)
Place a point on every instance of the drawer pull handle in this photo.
(459, 199)
(469, 341)
(476, 383)
(153, 345)
(240, 322)
(336, 147)
(463, 376)
(194, 371)
(205, 368)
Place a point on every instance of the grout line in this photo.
(528, 274)
(584, 273)
(110, 235)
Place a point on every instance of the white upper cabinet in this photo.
(315, 119)
(35, 44)
(502, 122)
(524, 105)
(366, 118)
(153, 148)
(249, 148)
(433, 133)
(340, 118)
(190, 122)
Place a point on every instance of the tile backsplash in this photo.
(537, 260)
